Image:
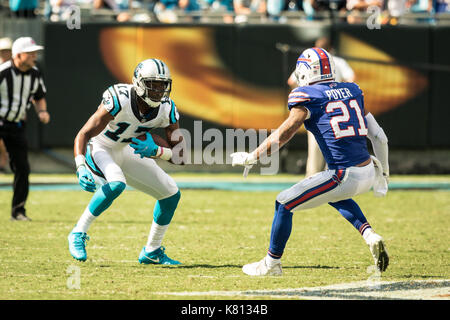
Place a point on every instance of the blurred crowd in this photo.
(352, 11)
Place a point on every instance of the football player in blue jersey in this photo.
(109, 156)
(334, 112)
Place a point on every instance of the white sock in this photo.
(270, 262)
(85, 221)
(367, 233)
(155, 236)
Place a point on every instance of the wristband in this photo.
(252, 157)
(79, 160)
(164, 153)
(42, 111)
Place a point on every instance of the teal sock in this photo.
(165, 208)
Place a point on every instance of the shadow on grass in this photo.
(209, 266)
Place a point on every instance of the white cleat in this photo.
(262, 269)
(379, 252)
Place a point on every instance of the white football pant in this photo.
(121, 164)
(328, 186)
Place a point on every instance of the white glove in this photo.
(243, 159)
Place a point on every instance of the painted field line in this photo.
(361, 290)
(233, 186)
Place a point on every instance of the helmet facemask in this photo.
(156, 90)
(152, 81)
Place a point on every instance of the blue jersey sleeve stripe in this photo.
(117, 106)
(173, 119)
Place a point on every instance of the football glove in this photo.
(147, 148)
(85, 179)
(243, 159)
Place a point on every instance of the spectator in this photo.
(310, 7)
(395, 9)
(120, 7)
(441, 6)
(59, 9)
(423, 7)
(189, 5)
(13, 74)
(23, 8)
(274, 8)
(243, 8)
(5, 49)
(225, 6)
(356, 7)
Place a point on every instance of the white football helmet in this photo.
(314, 65)
(152, 81)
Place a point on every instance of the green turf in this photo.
(213, 233)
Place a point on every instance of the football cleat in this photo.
(156, 257)
(77, 245)
(262, 269)
(20, 217)
(379, 252)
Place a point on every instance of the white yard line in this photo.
(361, 290)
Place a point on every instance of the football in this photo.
(160, 141)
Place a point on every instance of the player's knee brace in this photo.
(165, 209)
(104, 196)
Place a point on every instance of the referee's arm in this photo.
(41, 110)
(40, 104)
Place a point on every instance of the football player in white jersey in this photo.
(108, 155)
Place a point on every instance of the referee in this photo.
(21, 86)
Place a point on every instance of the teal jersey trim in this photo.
(173, 119)
(91, 164)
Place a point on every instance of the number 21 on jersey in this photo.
(338, 122)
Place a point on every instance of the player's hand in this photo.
(85, 179)
(44, 116)
(147, 148)
(243, 159)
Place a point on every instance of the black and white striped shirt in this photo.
(17, 88)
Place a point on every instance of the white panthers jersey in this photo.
(120, 101)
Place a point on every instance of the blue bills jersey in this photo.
(336, 119)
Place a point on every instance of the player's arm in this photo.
(96, 123)
(283, 134)
(41, 110)
(275, 140)
(379, 142)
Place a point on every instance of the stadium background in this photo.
(234, 76)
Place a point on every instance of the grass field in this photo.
(214, 233)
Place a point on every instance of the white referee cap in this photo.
(5, 44)
(25, 44)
